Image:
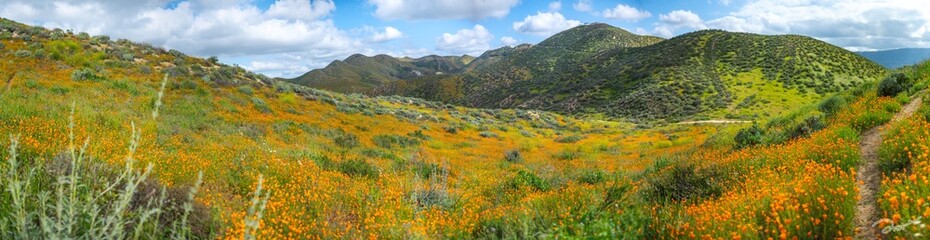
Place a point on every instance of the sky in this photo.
(286, 38)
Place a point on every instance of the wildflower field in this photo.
(113, 139)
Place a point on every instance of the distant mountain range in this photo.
(598, 69)
(896, 58)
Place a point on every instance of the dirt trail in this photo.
(869, 176)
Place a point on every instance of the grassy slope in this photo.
(686, 77)
(615, 180)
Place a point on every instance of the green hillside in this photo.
(359, 73)
(700, 75)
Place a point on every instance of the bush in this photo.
(388, 141)
(592, 176)
(683, 182)
(568, 139)
(451, 129)
(894, 84)
(807, 127)
(261, 105)
(23, 53)
(832, 105)
(749, 136)
(83, 74)
(358, 168)
(513, 156)
(128, 57)
(246, 90)
(347, 141)
(528, 179)
(487, 134)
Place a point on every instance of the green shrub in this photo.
(513, 156)
(358, 168)
(528, 179)
(388, 141)
(450, 129)
(870, 119)
(261, 105)
(246, 90)
(128, 57)
(832, 105)
(346, 140)
(418, 134)
(568, 139)
(592, 176)
(682, 182)
(807, 127)
(749, 136)
(894, 84)
(23, 53)
(487, 134)
(568, 154)
(83, 74)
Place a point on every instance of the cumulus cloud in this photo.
(625, 12)
(555, 6)
(544, 24)
(472, 41)
(583, 6)
(389, 33)
(676, 20)
(229, 29)
(442, 9)
(301, 9)
(509, 41)
(854, 24)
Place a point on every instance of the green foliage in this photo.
(528, 179)
(832, 105)
(569, 139)
(23, 53)
(261, 105)
(807, 127)
(358, 168)
(389, 141)
(683, 182)
(513, 156)
(894, 84)
(487, 134)
(346, 140)
(750, 136)
(246, 90)
(85, 74)
(594, 176)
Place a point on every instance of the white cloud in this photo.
(389, 33)
(544, 24)
(442, 9)
(509, 41)
(472, 41)
(675, 20)
(555, 6)
(583, 6)
(624, 12)
(301, 9)
(854, 24)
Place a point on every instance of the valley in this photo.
(595, 132)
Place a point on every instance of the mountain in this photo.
(896, 58)
(360, 73)
(598, 69)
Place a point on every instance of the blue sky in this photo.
(289, 37)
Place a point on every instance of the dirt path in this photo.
(869, 176)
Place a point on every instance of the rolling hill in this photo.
(700, 75)
(109, 139)
(359, 73)
(896, 58)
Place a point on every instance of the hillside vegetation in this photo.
(184, 147)
(359, 73)
(598, 69)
